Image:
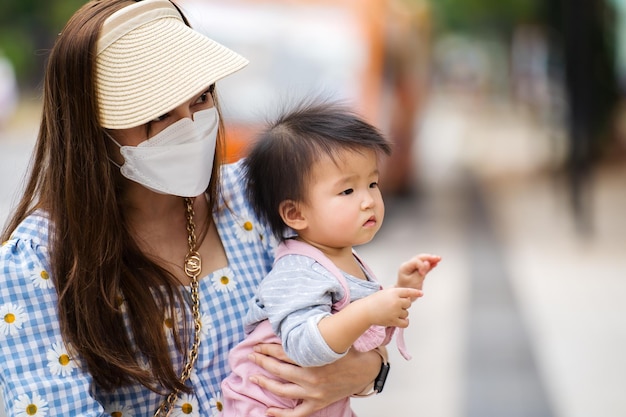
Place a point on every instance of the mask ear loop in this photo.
(118, 145)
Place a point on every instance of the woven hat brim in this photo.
(154, 68)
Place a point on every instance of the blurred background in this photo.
(509, 131)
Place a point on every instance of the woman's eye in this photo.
(347, 192)
(160, 118)
(203, 98)
(207, 95)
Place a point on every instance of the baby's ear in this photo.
(292, 215)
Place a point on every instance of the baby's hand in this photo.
(413, 272)
(389, 307)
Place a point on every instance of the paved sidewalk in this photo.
(524, 316)
(571, 288)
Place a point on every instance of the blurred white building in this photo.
(8, 90)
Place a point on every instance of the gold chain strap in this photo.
(193, 267)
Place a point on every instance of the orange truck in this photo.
(370, 54)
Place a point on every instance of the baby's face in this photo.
(344, 206)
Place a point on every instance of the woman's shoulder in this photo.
(235, 215)
(25, 277)
(34, 228)
(232, 187)
(27, 247)
(233, 200)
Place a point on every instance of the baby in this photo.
(313, 177)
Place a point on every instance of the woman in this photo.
(128, 264)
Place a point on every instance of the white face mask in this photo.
(178, 160)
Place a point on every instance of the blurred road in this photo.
(524, 316)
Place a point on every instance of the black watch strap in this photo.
(379, 383)
(381, 378)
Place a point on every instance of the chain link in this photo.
(193, 268)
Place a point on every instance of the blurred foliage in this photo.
(28, 27)
(27, 31)
(483, 15)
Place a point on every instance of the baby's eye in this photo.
(347, 192)
(374, 185)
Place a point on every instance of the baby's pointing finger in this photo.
(409, 293)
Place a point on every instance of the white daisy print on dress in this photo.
(245, 230)
(117, 409)
(41, 278)
(143, 363)
(59, 360)
(207, 324)
(33, 406)
(169, 322)
(216, 404)
(12, 317)
(223, 280)
(186, 405)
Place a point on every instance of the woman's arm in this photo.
(317, 387)
(36, 368)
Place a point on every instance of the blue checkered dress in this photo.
(38, 373)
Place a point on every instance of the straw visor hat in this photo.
(149, 62)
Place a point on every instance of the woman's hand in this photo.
(317, 387)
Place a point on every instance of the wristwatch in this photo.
(379, 383)
(381, 378)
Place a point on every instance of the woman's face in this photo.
(135, 135)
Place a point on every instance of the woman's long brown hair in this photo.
(96, 263)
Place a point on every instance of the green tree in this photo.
(483, 15)
(27, 31)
